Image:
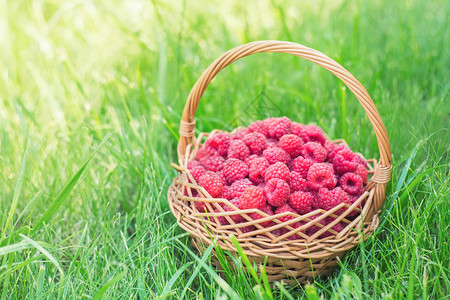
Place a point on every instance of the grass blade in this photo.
(17, 190)
(50, 257)
(62, 196)
(108, 284)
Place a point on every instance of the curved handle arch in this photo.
(187, 125)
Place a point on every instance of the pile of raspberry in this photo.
(275, 166)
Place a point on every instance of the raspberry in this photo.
(336, 149)
(237, 217)
(321, 175)
(237, 188)
(297, 128)
(256, 216)
(297, 182)
(258, 126)
(212, 184)
(301, 202)
(276, 154)
(252, 197)
(197, 172)
(201, 154)
(201, 206)
(271, 144)
(223, 178)
(296, 236)
(222, 220)
(255, 141)
(238, 150)
(277, 170)
(292, 144)
(218, 144)
(250, 159)
(351, 183)
(214, 163)
(329, 146)
(277, 127)
(314, 152)
(328, 199)
(361, 160)
(313, 229)
(301, 165)
(284, 208)
(276, 191)
(235, 169)
(247, 229)
(193, 163)
(345, 161)
(362, 172)
(311, 133)
(337, 227)
(239, 134)
(258, 169)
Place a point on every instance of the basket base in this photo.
(291, 272)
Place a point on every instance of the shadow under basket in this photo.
(287, 259)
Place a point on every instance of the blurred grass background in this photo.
(75, 72)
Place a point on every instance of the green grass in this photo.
(91, 95)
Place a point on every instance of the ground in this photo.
(104, 83)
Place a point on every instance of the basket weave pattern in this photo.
(286, 259)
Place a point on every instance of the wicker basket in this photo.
(289, 260)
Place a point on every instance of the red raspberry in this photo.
(200, 206)
(256, 216)
(201, 154)
(212, 184)
(337, 227)
(258, 170)
(235, 169)
(330, 198)
(332, 152)
(301, 165)
(362, 172)
(197, 172)
(311, 133)
(250, 159)
(193, 163)
(255, 141)
(351, 183)
(276, 154)
(214, 163)
(270, 144)
(284, 208)
(313, 229)
(239, 134)
(361, 160)
(258, 126)
(345, 161)
(329, 146)
(297, 182)
(247, 229)
(238, 150)
(297, 128)
(314, 152)
(292, 144)
(237, 217)
(296, 236)
(321, 175)
(223, 178)
(252, 197)
(276, 191)
(301, 202)
(277, 127)
(218, 144)
(277, 170)
(237, 188)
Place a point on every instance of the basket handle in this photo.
(187, 125)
